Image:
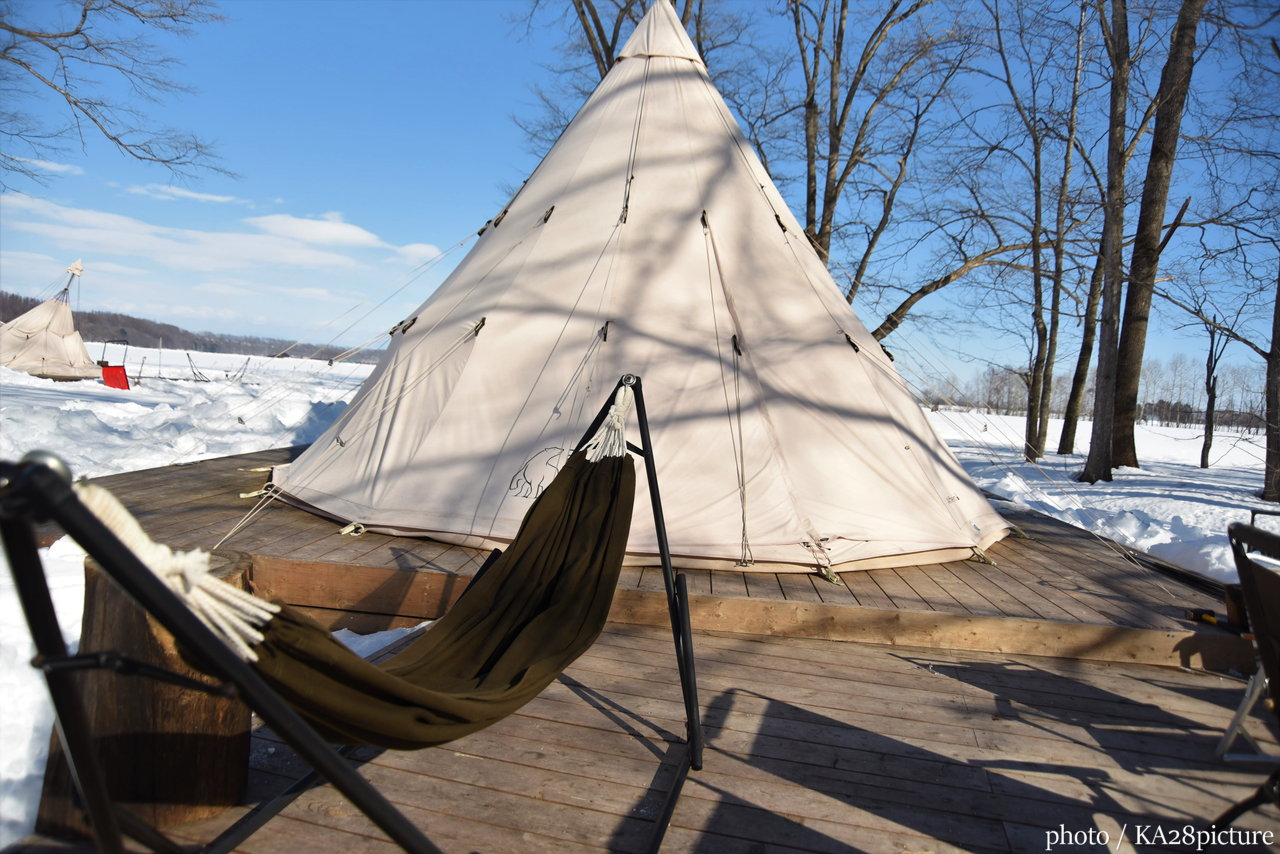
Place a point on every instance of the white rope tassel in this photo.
(610, 440)
(232, 614)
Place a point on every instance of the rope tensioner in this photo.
(610, 440)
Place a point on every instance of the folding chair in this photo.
(36, 489)
(1261, 588)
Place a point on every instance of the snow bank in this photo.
(1170, 508)
(246, 404)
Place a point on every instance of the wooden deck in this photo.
(1055, 591)
(816, 746)
(899, 711)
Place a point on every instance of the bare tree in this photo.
(851, 75)
(1075, 403)
(595, 30)
(1030, 138)
(1268, 352)
(1150, 238)
(1098, 464)
(74, 52)
(1213, 320)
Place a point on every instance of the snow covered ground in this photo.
(211, 405)
(169, 416)
(1170, 508)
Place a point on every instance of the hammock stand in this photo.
(38, 489)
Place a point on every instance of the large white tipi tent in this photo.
(44, 340)
(651, 241)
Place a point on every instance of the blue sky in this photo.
(367, 137)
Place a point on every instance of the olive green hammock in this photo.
(524, 618)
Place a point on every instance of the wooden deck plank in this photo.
(1129, 595)
(729, 583)
(797, 587)
(924, 717)
(698, 581)
(764, 586)
(1133, 686)
(833, 592)
(1027, 587)
(900, 593)
(651, 580)
(865, 591)
(981, 580)
(811, 746)
(788, 764)
(935, 595)
(629, 577)
(965, 596)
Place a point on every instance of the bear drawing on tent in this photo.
(651, 241)
(44, 341)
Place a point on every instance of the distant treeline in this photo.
(139, 332)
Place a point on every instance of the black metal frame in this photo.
(1261, 610)
(677, 606)
(38, 489)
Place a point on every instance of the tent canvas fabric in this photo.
(650, 240)
(44, 342)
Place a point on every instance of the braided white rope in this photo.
(610, 440)
(232, 614)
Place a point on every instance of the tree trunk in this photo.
(1210, 411)
(1175, 80)
(1034, 448)
(1050, 361)
(1099, 462)
(1059, 244)
(811, 69)
(1080, 378)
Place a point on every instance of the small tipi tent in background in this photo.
(651, 241)
(44, 341)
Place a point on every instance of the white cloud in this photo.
(313, 294)
(89, 232)
(168, 193)
(294, 272)
(329, 230)
(417, 253)
(110, 268)
(204, 312)
(50, 166)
